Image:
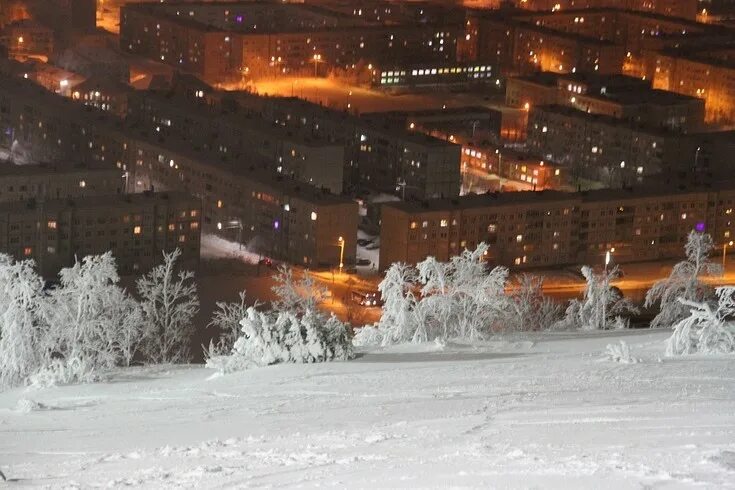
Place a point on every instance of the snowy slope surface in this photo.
(547, 411)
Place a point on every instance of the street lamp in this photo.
(724, 253)
(232, 225)
(317, 58)
(341, 253)
(604, 296)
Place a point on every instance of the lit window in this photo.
(414, 225)
(27, 251)
(194, 213)
(313, 216)
(444, 223)
(492, 228)
(194, 225)
(519, 238)
(683, 216)
(182, 238)
(544, 129)
(171, 227)
(425, 224)
(51, 225)
(82, 183)
(517, 261)
(219, 203)
(136, 230)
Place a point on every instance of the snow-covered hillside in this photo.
(547, 410)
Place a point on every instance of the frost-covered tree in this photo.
(92, 323)
(457, 299)
(528, 309)
(398, 321)
(294, 331)
(296, 295)
(709, 328)
(226, 319)
(21, 329)
(602, 306)
(169, 303)
(685, 282)
(460, 298)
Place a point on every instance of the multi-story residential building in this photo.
(57, 181)
(602, 148)
(137, 228)
(597, 40)
(228, 41)
(233, 132)
(622, 97)
(273, 214)
(229, 187)
(26, 39)
(673, 8)
(707, 72)
(379, 154)
(550, 228)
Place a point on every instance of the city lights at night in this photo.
(367, 243)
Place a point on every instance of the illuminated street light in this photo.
(317, 59)
(341, 253)
(724, 253)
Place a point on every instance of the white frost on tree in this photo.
(528, 308)
(621, 353)
(20, 327)
(294, 331)
(92, 323)
(456, 299)
(709, 328)
(169, 303)
(226, 320)
(685, 282)
(602, 306)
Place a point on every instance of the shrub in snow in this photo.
(456, 299)
(169, 303)
(293, 331)
(528, 308)
(684, 282)
(21, 328)
(709, 328)
(226, 319)
(367, 336)
(92, 323)
(602, 304)
(620, 352)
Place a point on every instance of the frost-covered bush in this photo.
(527, 307)
(602, 305)
(294, 331)
(684, 282)
(92, 323)
(455, 299)
(709, 328)
(169, 303)
(226, 319)
(21, 325)
(620, 352)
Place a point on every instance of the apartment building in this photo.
(26, 39)
(379, 154)
(137, 228)
(602, 148)
(597, 40)
(618, 96)
(228, 187)
(273, 214)
(232, 132)
(550, 228)
(673, 8)
(227, 41)
(57, 181)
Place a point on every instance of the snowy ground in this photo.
(541, 412)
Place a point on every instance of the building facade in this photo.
(550, 228)
(135, 228)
